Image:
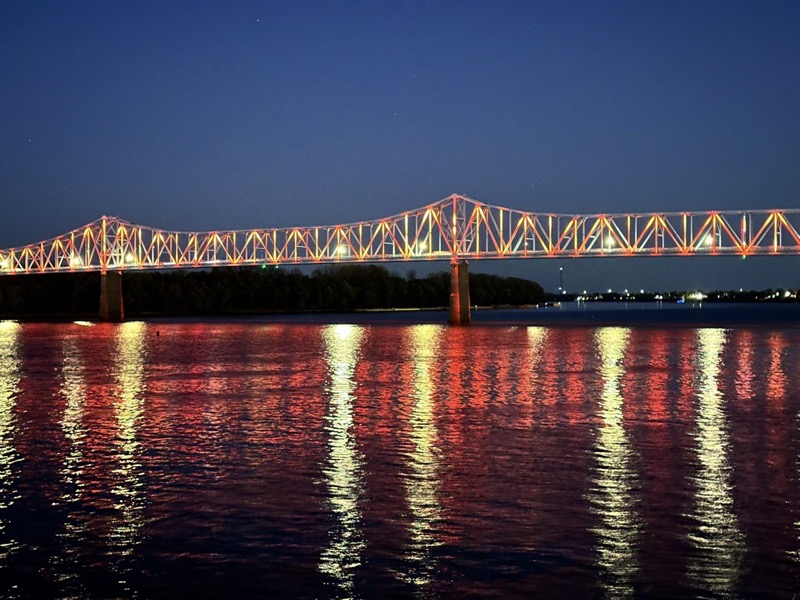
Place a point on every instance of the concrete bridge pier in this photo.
(111, 308)
(459, 293)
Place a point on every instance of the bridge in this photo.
(457, 229)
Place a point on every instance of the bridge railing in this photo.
(455, 227)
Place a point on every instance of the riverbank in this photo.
(566, 314)
(712, 314)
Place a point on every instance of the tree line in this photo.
(253, 290)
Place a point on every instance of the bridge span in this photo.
(457, 229)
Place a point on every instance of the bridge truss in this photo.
(454, 228)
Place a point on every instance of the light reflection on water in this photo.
(343, 473)
(615, 480)
(74, 390)
(716, 535)
(9, 387)
(73, 536)
(128, 489)
(404, 460)
(422, 482)
(531, 373)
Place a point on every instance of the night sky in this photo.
(220, 115)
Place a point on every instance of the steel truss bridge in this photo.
(455, 228)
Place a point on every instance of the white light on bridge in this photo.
(129, 258)
(4, 263)
(341, 250)
(75, 261)
(610, 241)
(708, 240)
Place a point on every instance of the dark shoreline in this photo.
(640, 314)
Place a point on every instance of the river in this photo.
(271, 458)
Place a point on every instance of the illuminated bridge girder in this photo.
(456, 227)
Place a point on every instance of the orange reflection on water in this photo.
(384, 397)
(656, 384)
(464, 429)
(744, 375)
(777, 464)
(550, 376)
(502, 380)
(684, 409)
(776, 383)
(306, 373)
(530, 375)
(454, 364)
(577, 356)
(650, 383)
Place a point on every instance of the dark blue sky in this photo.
(213, 115)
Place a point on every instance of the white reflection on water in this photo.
(615, 481)
(343, 473)
(537, 340)
(422, 483)
(128, 490)
(9, 388)
(73, 388)
(537, 337)
(716, 536)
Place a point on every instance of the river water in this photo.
(262, 458)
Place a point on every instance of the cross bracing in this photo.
(456, 227)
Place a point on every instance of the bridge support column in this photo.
(111, 308)
(459, 293)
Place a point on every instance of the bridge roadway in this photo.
(457, 229)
